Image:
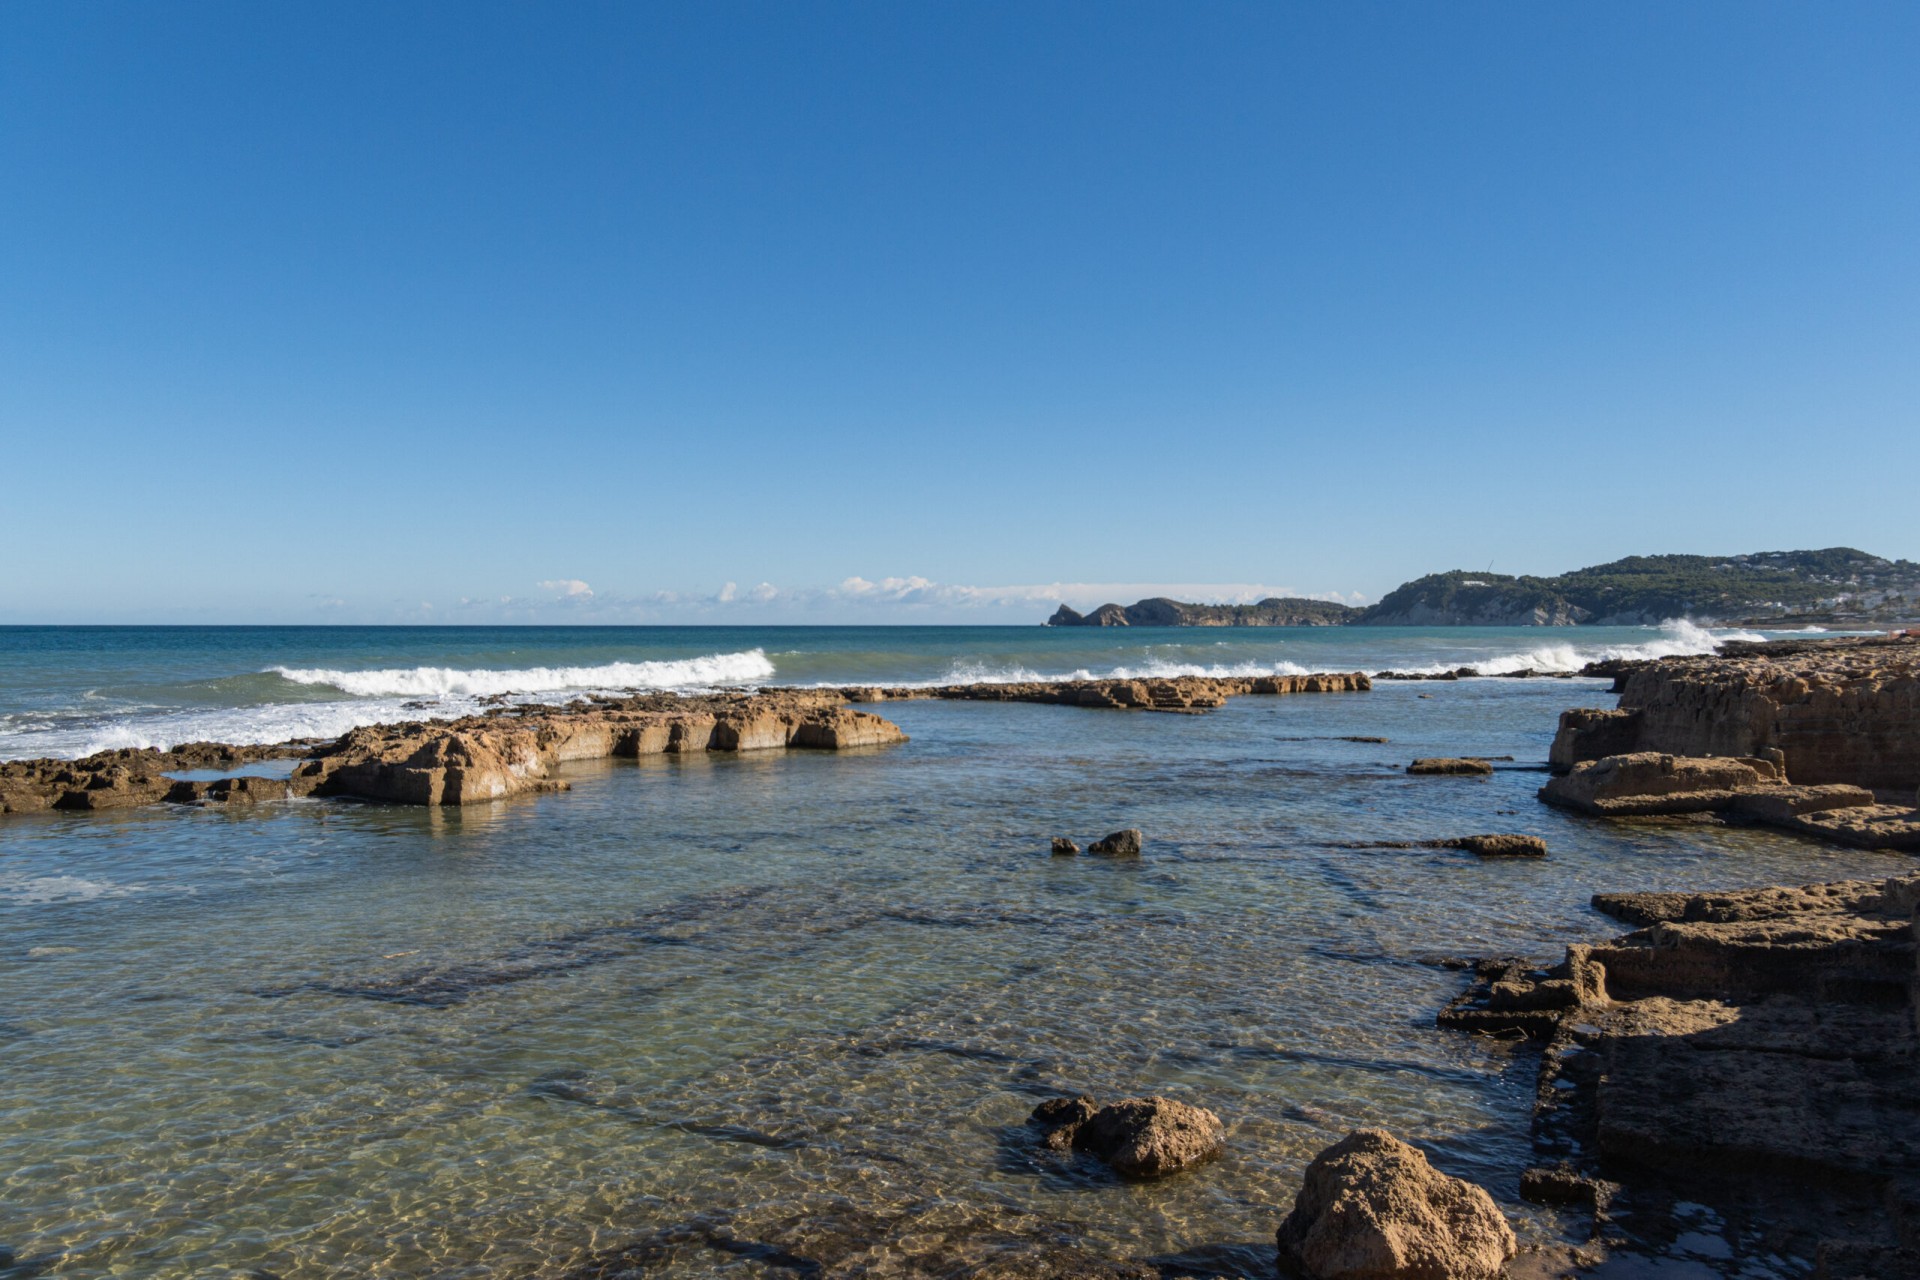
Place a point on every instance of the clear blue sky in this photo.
(581, 311)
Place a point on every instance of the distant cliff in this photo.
(1275, 611)
(1838, 585)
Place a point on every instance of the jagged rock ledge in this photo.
(1172, 693)
(1839, 711)
(1754, 1047)
(506, 752)
(1820, 738)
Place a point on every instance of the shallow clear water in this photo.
(742, 1015)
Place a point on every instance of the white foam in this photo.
(425, 682)
(1678, 638)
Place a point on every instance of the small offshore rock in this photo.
(1372, 1208)
(1503, 846)
(1565, 1186)
(1136, 1137)
(1449, 765)
(1121, 844)
(1064, 848)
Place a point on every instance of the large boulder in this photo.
(1136, 1137)
(1372, 1208)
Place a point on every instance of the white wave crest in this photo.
(416, 682)
(1678, 638)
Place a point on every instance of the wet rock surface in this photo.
(506, 752)
(1754, 1049)
(1465, 766)
(1126, 843)
(1749, 790)
(1176, 693)
(1372, 1208)
(1139, 1138)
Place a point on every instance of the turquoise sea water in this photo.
(777, 1014)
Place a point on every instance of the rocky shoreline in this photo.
(515, 750)
(1752, 1050)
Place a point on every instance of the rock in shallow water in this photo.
(1121, 844)
(1136, 1137)
(1372, 1208)
(1064, 848)
(1449, 765)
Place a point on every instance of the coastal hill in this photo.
(1837, 585)
(1274, 611)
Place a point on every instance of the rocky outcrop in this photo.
(1759, 1043)
(1064, 847)
(1136, 1137)
(507, 752)
(1450, 765)
(1274, 611)
(1838, 711)
(1372, 1208)
(1749, 790)
(1173, 693)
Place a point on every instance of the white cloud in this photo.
(567, 588)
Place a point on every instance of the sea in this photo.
(786, 1014)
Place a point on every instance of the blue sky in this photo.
(937, 312)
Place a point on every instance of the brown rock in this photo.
(1837, 711)
(1137, 1137)
(1064, 848)
(1120, 844)
(1503, 846)
(1449, 765)
(1372, 1208)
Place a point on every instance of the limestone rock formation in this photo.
(1646, 783)
(1837, 711)
(507, 752)
(1137, 1137)
(1173, 693)
(1760, 1038)
(1372, 1208)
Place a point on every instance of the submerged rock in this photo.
(1372, 1208)
(1449, 765)
(1120, 844)
(1502, 846)
(1136, 1137)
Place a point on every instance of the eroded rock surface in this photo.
(1758, 1045)
(1751, 789)
(1838, 711)
(508, 752)
(1177, 693)
(1372, 1208)
(1136, 1137)
(1450, 765)
(1120, 844)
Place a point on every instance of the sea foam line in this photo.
(746, 667)
(1679, 638)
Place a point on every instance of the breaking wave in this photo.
(747, 667)
(1678, 638)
